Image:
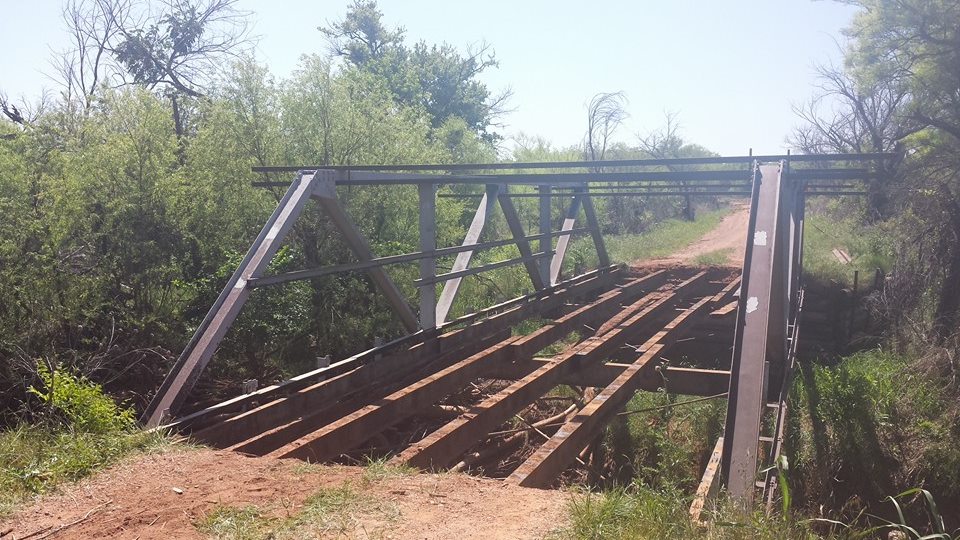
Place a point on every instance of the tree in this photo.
(861, 118)
(435, 77)
(605, 113)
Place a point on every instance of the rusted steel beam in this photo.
(594, 224)
(443, 446)
(542, 468)
(314, 390)
(205, 341)
(349, 431)
(325, 193)
(719, 160)
(450, 288)
(758, 338)
(526, 254)
(709, 486)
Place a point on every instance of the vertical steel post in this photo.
(428, 265)
(546, 226)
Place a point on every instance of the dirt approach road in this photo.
(167, 495)
(729, 236)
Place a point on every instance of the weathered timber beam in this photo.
(348, 432)
(317, 389)
(542, 468)
(675, 380)
(709, 486)
(556, 264)
(443, 446)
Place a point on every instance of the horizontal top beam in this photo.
(713, 160)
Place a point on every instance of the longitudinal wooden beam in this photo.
(556, 264)
(450, 288)
(349, 431)
(219, 319)
(443, 446)
(516, 228)
(709, 485)
(363, 370)
(542, 468)
(326, 194)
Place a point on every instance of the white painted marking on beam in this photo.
(241, 283)
(760, 238)
(752, 304)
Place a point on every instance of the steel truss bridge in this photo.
(630, 320)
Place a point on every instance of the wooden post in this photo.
(556, 264)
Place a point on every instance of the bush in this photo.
(81, 404)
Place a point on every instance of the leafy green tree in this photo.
(435, 77)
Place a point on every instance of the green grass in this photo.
(643, 513)
(869, 248)
(713, 258)
(236, 523)
(37, 459)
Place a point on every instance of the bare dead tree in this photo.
(847, 117)
(605, 113)
(666, 143)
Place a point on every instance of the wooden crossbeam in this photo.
(540, 469)
(351, 430)
(442, 446)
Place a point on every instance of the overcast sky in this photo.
(730, 69)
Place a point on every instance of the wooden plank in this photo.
(205, 341)
(444, 445)
(348, 432)
(709, 486)
(450, 288)
(516, 228)
(679, 380)
(326, 194)
(541, 468)
(725, 310)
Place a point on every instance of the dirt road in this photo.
(729, 236)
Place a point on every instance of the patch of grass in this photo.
(868, 247)
(713, 258)
(377, 470)
(339, 511)
(660, 240)
(37, 459)
(643, 513)
(235, 523)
